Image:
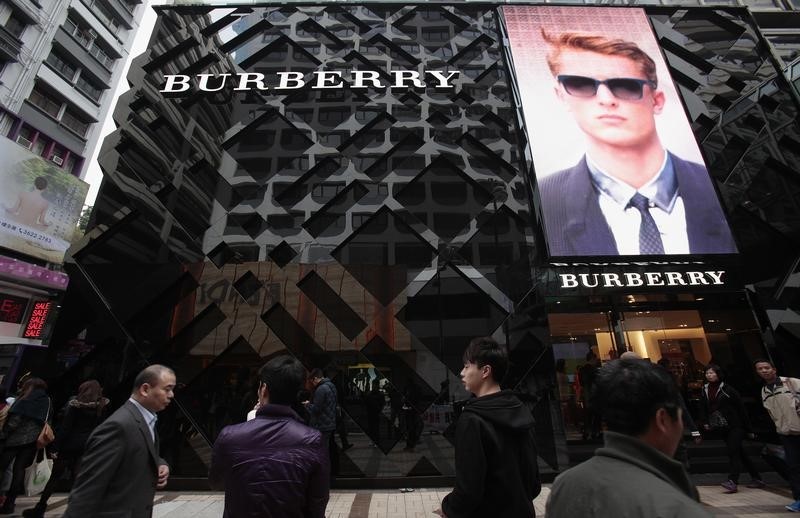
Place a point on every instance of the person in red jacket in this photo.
(273, 465)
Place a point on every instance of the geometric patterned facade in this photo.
(372, 232)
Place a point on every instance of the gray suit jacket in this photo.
(119, 470)
(575, 225)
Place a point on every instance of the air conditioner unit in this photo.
(91, 33)
(22, 141)
(57, 160)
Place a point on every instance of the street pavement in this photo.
(750, 503)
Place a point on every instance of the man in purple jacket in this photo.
(273, 466)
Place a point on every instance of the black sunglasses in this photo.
(625, 88)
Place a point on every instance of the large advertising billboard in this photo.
(618, 170)
(41, 204)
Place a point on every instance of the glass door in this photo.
(581, 342)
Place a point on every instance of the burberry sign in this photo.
(322, 80)
(642, 279)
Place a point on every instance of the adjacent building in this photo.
(60, 62)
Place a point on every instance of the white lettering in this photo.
(400, 77)
(328, 79)
(202, 84)
(568, 280)
(295, 77)
(696, 278)
(585, 279)
(611, 279)
(175, 79)
(443, 79)
(251, 77)
(359, 76)
(716, 276)
(675, 278)
(653, 279)
(633, 279)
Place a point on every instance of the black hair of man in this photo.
(317, 373)
(40, 183)
(763, 360)
(716, 368)
(284, 377)
(150, 375)
(484, 350)
(628, 393)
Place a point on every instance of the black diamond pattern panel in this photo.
(463, 311)
(444, 184)
(382, 255)
(330, 303)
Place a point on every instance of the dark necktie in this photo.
(649, 236)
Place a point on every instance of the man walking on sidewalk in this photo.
(273, 466)
(121, 468)
(641, 406)
(779, 396)
(496, 467)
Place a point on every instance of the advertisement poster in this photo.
(618, 170)
(40, 204)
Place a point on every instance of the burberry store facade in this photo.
(367, 187)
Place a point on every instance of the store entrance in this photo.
(682, 332)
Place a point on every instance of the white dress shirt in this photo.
(666, 207)
(149, 417)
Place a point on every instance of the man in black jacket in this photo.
(496, 467)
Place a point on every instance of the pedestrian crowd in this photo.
(279, 462)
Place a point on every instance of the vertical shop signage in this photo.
(36, 322)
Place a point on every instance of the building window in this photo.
(74, 124)
(45, 102)
(57, 154)
(61, 66)
(86, 87)
(103, 14)
(15, 25)
(71, 164)
(129, 6)
(88, 40)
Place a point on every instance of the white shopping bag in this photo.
(38, 473)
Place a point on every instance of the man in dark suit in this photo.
(121, 469)
(628, 195)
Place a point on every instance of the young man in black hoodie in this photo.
(496, 468)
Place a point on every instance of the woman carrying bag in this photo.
(723, 413)
(83, 413)
(26, 420)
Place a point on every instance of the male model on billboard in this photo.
(628, 195)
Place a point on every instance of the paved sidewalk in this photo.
(750, 503)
